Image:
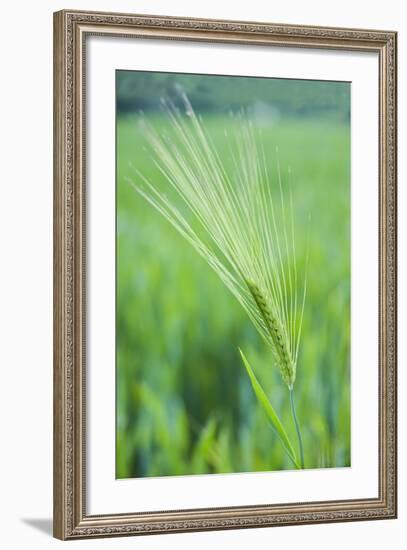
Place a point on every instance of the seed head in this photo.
(279, 340)
(246, 234)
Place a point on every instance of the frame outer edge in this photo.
(59, 259)
(395, 259)
(392, 78)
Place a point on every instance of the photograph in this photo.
(233, 274)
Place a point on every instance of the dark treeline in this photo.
(137, 90)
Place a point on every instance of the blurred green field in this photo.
(184, 402)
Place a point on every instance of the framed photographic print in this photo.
(225, 274)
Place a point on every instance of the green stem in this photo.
(297, 427)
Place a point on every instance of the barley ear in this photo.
(279, 339)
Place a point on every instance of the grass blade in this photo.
(271, 413)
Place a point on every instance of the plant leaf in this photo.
(271, 413)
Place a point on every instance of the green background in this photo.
(184, 402)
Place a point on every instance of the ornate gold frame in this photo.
(70, 31)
